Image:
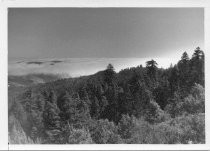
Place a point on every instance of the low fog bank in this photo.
(75, 67)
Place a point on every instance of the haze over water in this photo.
(80, 66)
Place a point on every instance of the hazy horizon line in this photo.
(76, 67)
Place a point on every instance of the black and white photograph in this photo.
(112, 75)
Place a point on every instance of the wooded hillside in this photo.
(139, 105)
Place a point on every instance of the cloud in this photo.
(35, 62)
(56, 61)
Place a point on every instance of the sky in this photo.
(144, 33)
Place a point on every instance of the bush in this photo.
(104, 132)
(80, 136)
(167, 134)
(135, 131)
(181, 130)
(154, 113)
(17, 134)
(192, 128)
(141, 134)
(126, 126)
(192, 104)
(195, 102)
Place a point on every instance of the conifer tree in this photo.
(151, 69)
(95, 108)
(197, 67)
(184, 77)
(174, 79)
(68, 107)
(109, 74)
(52, 97)
(51, 121)
(74, 110)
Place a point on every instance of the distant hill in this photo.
(30, 79)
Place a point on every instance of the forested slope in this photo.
(137, 105)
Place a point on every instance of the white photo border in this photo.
(5, 4)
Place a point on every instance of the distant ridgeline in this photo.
(139, 105)
(31, 79)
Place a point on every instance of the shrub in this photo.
(17, 134)
(167, 134)
(135, 131)
(181, 130)
(154, 113)
(192, 104)
(142, 133)
(104, 132)
(195, 102)
(126, 126)
(192, 128)
(80, 136)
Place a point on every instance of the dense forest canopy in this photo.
(142, 105)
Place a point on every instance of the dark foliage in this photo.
(145, 105)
